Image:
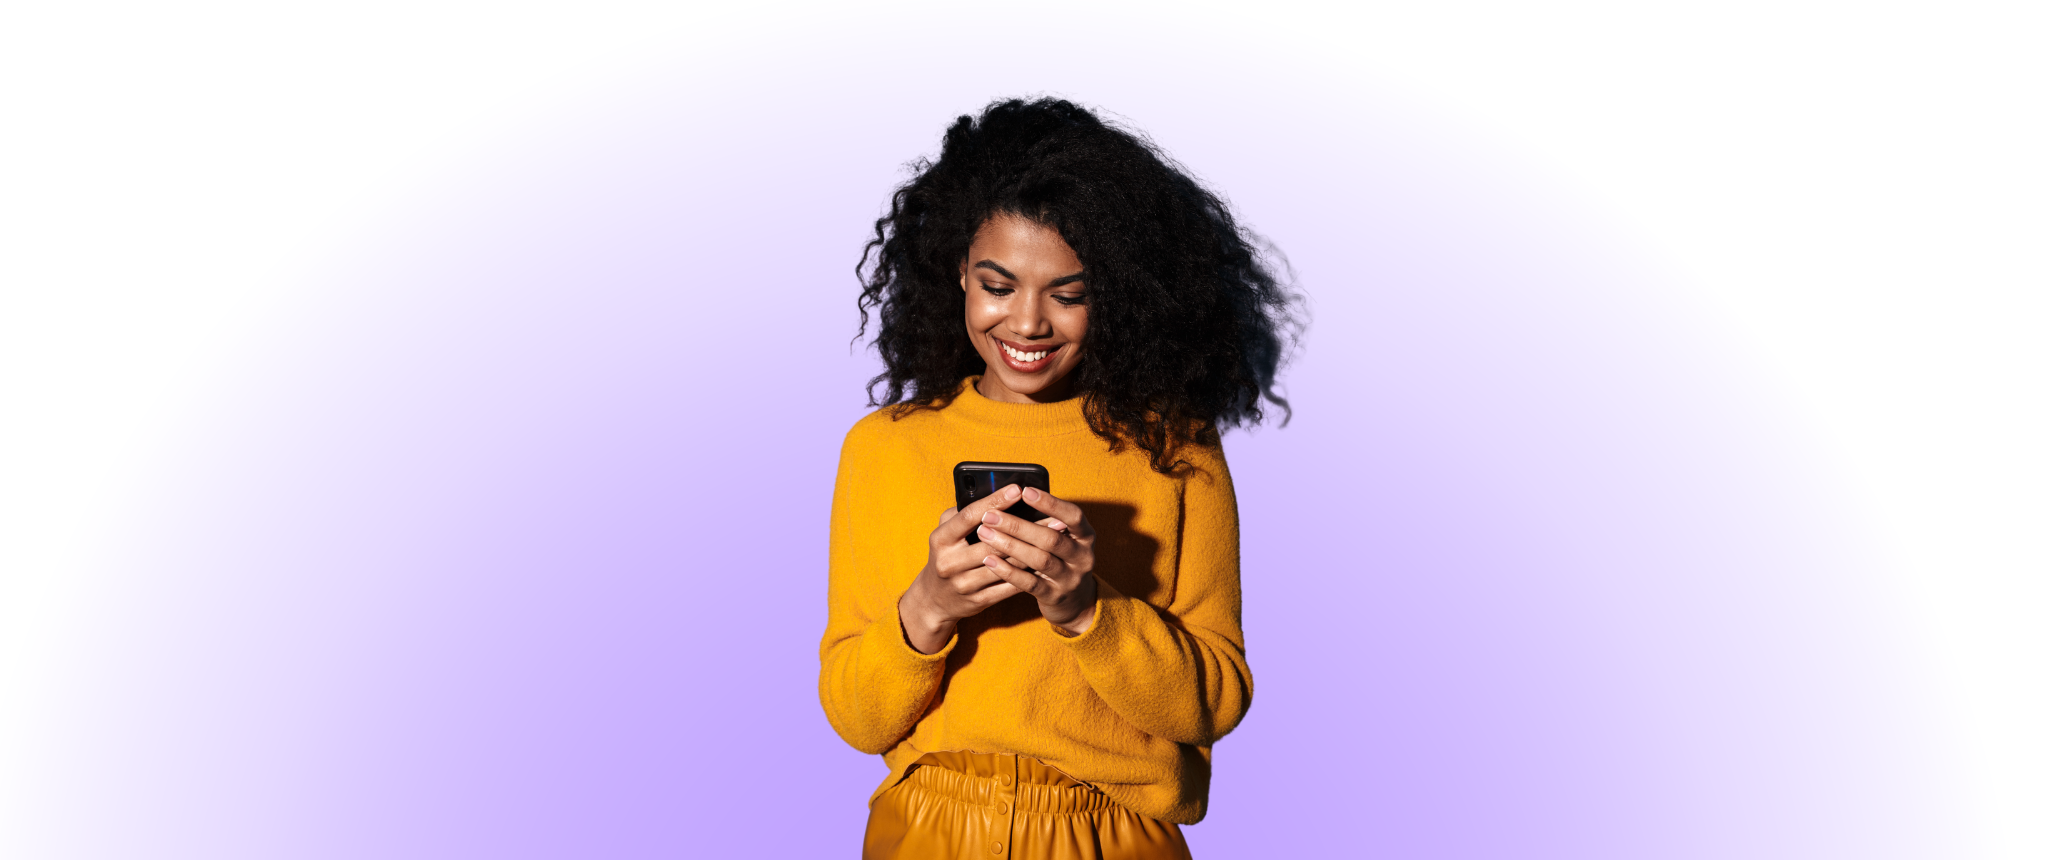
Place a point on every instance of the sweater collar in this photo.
(1015, 419)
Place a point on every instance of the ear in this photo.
(962, 283)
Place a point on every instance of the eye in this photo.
(1070, 301)
(997, 291)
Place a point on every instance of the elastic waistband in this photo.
(985, 779)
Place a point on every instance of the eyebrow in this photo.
(1059, 282)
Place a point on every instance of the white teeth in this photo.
(1021, 356)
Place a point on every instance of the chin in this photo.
(1039, 386)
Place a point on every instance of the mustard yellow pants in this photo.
(985, 805)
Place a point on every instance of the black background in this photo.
(1849, 188)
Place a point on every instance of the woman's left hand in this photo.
(1058, 553)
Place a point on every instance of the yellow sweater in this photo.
(1132, 705)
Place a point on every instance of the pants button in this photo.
(1003, 807)
(997, 848)
(1006, 780)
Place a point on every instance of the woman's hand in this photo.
(1057, 551)
(955, 584)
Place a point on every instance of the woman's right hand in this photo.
(956, 583)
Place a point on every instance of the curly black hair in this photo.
(1190, 316)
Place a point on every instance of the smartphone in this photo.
(975, 481)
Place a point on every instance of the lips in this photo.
(1023, 357)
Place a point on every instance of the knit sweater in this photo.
(1130, 706)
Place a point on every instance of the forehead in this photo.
(1019, 243)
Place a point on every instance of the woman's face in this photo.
(1025, 308)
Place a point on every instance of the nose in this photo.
(1026, 318)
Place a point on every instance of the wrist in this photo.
(925, 629)
(1083, 619)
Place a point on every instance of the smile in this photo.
(1024, 360)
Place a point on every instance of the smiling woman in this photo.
(1051, 291)
(1028, 327)
(1189, 323)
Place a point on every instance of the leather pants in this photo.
(988, 805)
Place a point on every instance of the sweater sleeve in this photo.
(874, 686)
(1179, 673)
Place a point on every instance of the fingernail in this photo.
(1032, 494)
(1057, 526)
(987, 534)
(990, 561)
(1011, 493)
(991, 518)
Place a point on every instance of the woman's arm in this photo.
(883, 651)
(1177, 673)
(873, 685)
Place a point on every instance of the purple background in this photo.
(513, 544)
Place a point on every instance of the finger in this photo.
(1059, 509)
(1005, 557)
(1037, 557)
(943, 536)
(960, 557)
(1042, 537)
(992, 594)
(968, 518)
(1026, 581)
(971, 580)
(996, 591)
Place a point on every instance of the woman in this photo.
(1050, 290)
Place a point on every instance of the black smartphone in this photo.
(975, 481)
